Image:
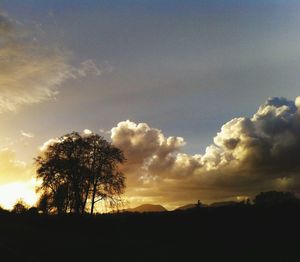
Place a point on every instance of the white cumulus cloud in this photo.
(248, 155)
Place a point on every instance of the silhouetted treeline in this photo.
(270, 199)
(275, 198)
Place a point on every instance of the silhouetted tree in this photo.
(20, 207)
(106, 180)
(61, 168)
(32, 211)
(3, 211)
(275, 198)
(199, 204)
(78, 168)
(62, 200)
(44, 203)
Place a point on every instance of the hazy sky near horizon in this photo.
(184, 67)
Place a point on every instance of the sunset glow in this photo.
(201, 97)
(12, 192)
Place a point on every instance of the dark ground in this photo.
(204, 234)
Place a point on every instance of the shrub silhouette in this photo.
(32, 211)
(20, 207)
(275, 198)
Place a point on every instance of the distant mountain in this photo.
(147, 208)
(224, 203)
(186, 207)
(190, 206)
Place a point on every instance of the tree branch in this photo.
(99, 199)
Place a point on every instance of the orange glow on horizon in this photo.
(10, 193)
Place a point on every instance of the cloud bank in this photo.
(248, 155)
(30, 72)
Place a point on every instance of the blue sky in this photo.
(185, 67)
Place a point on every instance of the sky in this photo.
(183, 87)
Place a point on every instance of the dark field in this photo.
(204, 234)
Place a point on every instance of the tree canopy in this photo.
(275, 198)
(77, 171)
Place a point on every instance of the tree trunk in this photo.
(93, 197)
(85, 198)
